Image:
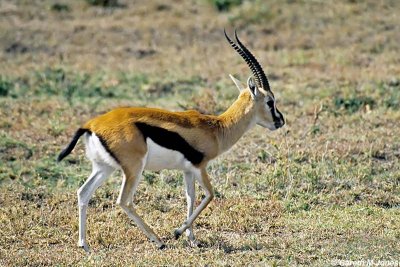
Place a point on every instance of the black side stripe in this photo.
(170, 140)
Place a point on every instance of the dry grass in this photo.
(326, 187)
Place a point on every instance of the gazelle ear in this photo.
(252, 87)
(238, 83)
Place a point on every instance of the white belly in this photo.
(160, 158)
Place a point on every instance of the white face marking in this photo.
(96, 152)
(159, 158)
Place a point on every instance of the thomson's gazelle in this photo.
(137, 139)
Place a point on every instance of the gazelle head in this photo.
(267, 114)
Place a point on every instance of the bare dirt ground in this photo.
(321, 191)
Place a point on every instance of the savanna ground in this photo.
(322, 189)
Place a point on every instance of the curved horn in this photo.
(259, 71)
(246, 58)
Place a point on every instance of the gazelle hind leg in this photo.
(132, 177)
(99, 174)
(190, 198)
(202, 178)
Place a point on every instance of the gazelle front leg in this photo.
(190, 198)
(202, 178)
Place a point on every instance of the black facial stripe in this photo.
(170, 140)
(107, 148)
(270, 104)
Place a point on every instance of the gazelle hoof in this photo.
(177, 234)
(85, 247)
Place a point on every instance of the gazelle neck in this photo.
(235, 121)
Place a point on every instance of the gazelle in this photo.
(136, 139)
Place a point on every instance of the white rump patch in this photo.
(95, 151)
(160, 158)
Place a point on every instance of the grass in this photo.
(325, 188)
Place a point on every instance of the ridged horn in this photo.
(262, 78)
(246, 58)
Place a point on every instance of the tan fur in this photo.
(209, 134)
